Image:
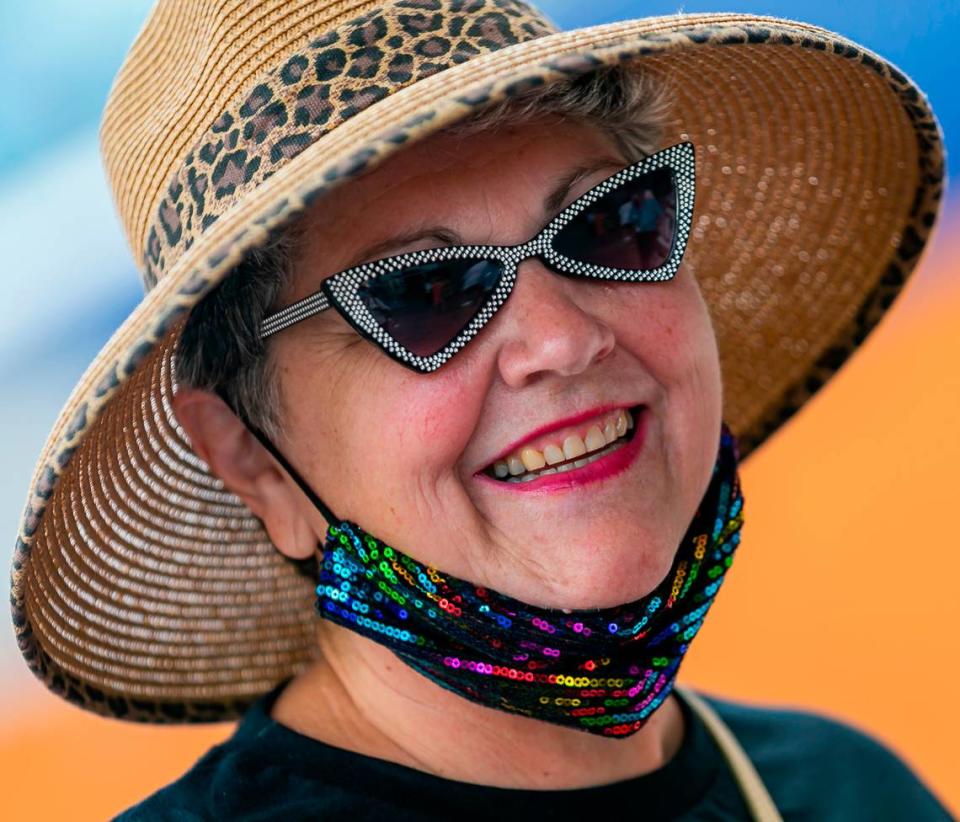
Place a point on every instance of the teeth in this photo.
(609, 432)
(553, 455)
(573, 447)
(621, 423)
(598, 442)
(595, 440)
(567, 466)
(532, 459)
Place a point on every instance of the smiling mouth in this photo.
(575, 451)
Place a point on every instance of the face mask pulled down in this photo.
(603, 671)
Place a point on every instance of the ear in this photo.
(235, 455)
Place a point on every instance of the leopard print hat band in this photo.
(141, 588)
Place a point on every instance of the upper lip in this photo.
(574, 419)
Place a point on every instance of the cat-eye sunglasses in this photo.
(423, 307)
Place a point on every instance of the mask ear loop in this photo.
(309, 567)
(319, 504)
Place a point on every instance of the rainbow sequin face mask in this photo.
(603, 671)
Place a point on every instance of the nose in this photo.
(547, 329)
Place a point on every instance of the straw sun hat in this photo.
(141, 588)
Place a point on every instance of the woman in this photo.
(517, 491)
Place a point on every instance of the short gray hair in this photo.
(220, 348)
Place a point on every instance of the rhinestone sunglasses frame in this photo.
(339, 291)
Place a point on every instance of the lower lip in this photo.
(606, 467)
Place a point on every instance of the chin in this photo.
(610, 585)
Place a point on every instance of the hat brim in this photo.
(142, 589)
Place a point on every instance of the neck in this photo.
(363, 698)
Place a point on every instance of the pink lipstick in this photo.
(623, 454)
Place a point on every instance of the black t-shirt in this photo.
(815, 768)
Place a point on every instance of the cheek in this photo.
(369, 416)
(434, 419)
(658, 326)
(331, 401)
(393, 426)
(668, 329)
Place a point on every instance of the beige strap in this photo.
(754, 792)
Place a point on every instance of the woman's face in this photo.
(404, 454)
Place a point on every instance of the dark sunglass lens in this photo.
(631, 227)
(423, 307)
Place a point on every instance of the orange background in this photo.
(843, 600)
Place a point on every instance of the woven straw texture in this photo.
(141, 588)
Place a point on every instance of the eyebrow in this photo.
(443, 234)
